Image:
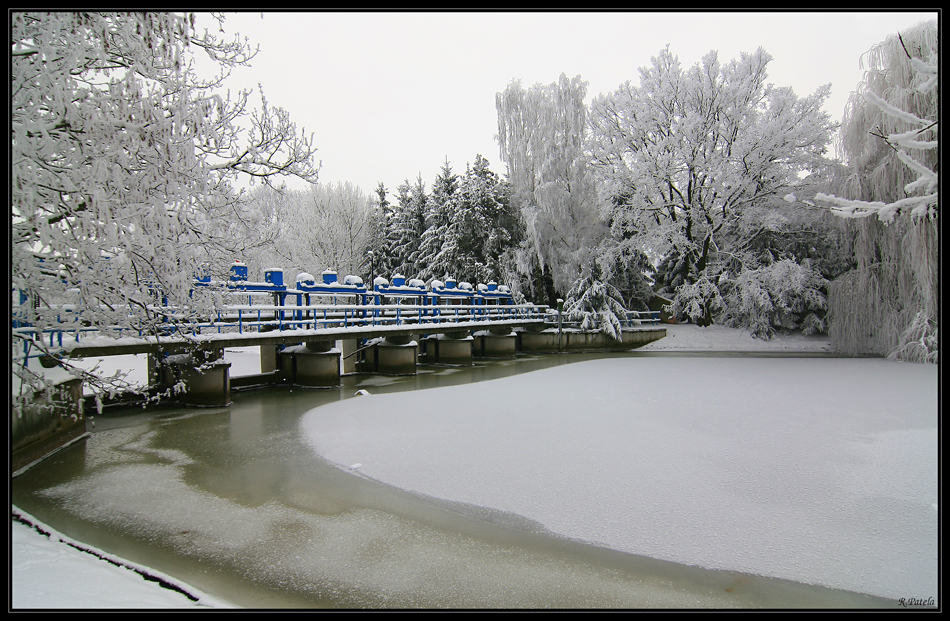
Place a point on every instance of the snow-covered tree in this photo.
(324, 226)
(123, 163)
(595, 303)
(695, 161)
(378, 250)
(789, 253)
(406, 228)
(628, 269)
(258, 235)
(890, 132)
(466, 228)
(482, 224)
(439, 251)
(783, 295)
(889, 304)
(541, 135)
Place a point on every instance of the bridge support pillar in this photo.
(539, 341)
(496, 345)
(50, 420)
(204, 378)
(303, 366)
(577, 341)
(450, 349)
(269, 358)
(349, 347)
(395, 355)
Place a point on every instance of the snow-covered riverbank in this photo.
(50, 570)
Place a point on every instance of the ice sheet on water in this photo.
(742, 464)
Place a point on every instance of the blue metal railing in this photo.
(632, 319)
(385, 304)
(243, 319)
(315, 317)
(639, 318)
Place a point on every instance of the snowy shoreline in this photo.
(51, 570)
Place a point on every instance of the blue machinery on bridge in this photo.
(386, 329)
(387, 303)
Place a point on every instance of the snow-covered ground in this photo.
(48, 571)
(817, 470)
(687, 337)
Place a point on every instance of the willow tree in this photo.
(123, 164)
(541, 134)
(888, 305)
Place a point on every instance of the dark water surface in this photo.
(234, 502)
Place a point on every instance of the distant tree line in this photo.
(696, 190)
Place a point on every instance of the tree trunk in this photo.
(706, 319)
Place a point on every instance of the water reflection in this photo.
(233, 501)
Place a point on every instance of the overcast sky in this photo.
(390, 95)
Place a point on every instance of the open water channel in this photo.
(234, 502)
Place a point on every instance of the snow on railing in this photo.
(290, 308)
(252, 318)
(256, 317)
(632, 319)
(637, 318)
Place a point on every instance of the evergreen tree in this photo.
(417, 226)
(396, 225)
(597, 304)
(379, 251)
(407, 228)
(483, 222)
(439, 250)
(466, 228)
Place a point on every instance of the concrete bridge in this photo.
(387, 329)
(447, 321)
(316, 357)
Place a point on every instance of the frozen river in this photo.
(237, 502)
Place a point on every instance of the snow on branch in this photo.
(895, 111)
(122, 163)
(919, 206)
(927, 181)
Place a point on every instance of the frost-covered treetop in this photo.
(891, 132)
